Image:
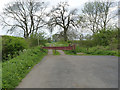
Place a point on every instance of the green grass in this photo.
(56, 53)
(14, 70)
(47, 44)
(97, 50)
(11, 46)
(60, 44)
(69, 52)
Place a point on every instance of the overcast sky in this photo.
(73, 4)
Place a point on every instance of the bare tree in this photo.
(62, 17)
(90, 12)
(71, 35)
(95, 15)
(104, 16)
(27, 16)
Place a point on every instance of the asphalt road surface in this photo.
(65, 71)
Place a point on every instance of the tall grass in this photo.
(14, 70)
(97, 50)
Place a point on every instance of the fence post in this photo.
(55, 51)
(69, 45)
(74, 46)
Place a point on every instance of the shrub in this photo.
(69, 41)
(12, 45)
(106, 37)
(14, 70)
(36, 39)
(34, 42)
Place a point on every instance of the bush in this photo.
(11, 46)
(70, 52)
(36, 39)
(14, 70)
(34, 42)
(108, 37)
(84, 43)
(105, 38)
(69, 41)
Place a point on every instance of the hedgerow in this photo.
(11, 46)
(14, 70)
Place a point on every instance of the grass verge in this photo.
(97, 51)
(14, 70)
(70, 52)
(56, 53)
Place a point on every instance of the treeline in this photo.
(104, 43)
(30, 17)
(103, 38)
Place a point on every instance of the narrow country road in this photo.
(65, 71)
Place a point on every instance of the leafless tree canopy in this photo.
(96, 15)
(27, 16)
(30, 16)
(60, 16)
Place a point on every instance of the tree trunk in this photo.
(65, 34)
(26, 35)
